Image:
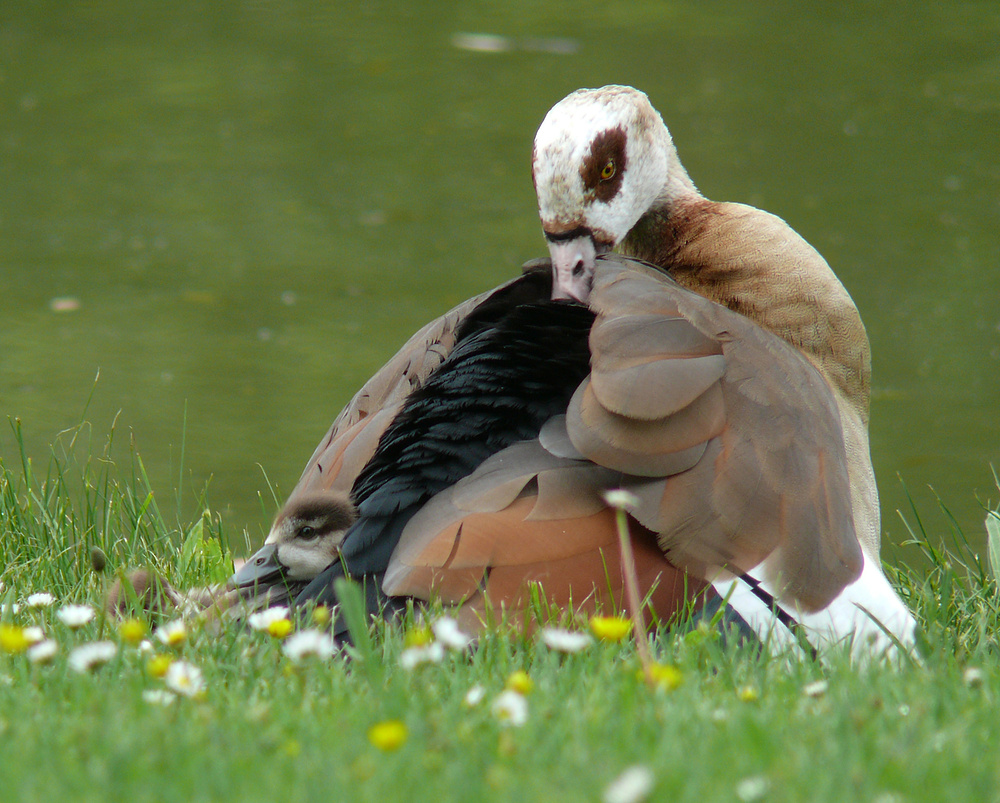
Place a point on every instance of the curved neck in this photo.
(678, 187)
(755, 264)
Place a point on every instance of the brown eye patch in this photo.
(607, 148)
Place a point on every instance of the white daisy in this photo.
(173, 634)
(474, 696)
(412, 657)
(158, 696)
(511, 708)
(309, 644)
(262, 620)
(43, 652)
(815, 689)
(41, 599)
(621, 499)
(446, 631)
(973, 676)
(75, 616)
(556, 638)
(34, 634)
(632, 786)
(753, 788)
(90, 656)
(184, 678)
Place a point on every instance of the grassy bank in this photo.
(254, 723)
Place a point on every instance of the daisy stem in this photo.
(632, 593)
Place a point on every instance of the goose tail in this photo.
(867, 617)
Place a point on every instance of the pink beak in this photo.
(573, 267)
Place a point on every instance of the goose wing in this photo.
(729, 438)
(773, 480)
(354, 435)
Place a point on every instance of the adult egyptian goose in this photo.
(720, 374)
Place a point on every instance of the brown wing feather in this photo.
(698, 420)
(493, 560)
(772, 476)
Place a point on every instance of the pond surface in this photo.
(235, 211)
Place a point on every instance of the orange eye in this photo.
(609, 170)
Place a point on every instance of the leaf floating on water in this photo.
(495, 43)
(64, 304)
(557, 45)
(482, 42)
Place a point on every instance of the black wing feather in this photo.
(511, 370)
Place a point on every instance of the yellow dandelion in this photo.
(13, 639)
(664, 676)
(610, 628)
(387, 735)
(158, 665)
(273, 621)
(321, 616)
(133, 631)
(279, 628)
(419, 636)
(748, 694)
(520, 682)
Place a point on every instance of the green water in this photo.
(252, 204)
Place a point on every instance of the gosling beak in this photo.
(573, 261)
(262, 567)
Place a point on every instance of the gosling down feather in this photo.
(714, 367)
(304, 540)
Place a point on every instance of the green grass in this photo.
(739, 726)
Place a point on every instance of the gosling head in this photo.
(304, 540)
(602, 159)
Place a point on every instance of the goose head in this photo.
(602, 159)
(304, 540)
